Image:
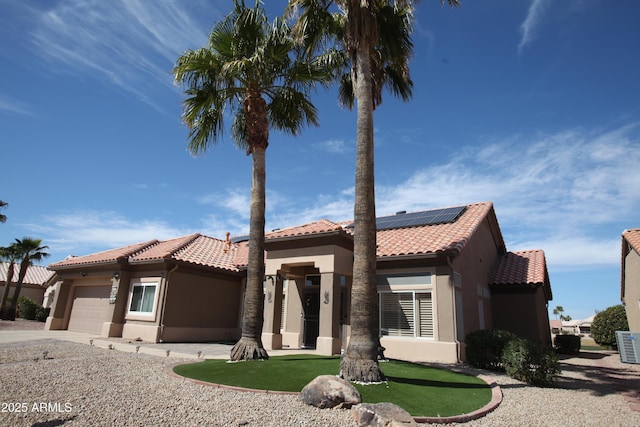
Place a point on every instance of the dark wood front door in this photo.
(311, 317)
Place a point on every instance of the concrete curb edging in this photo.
(496, 397)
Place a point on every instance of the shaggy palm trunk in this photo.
(250, 347)
(11, 312)
(360, 362)
(5, 293)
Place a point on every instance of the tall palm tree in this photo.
(375, 37)
(8, 254)
(255, 70)
(29, 250)
(3, 205)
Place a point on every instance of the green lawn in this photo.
(420, 390)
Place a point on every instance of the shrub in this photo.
(27, 308)
(484, 348)
(606, 323)
(567, 344)
(42, 314)
(528, 361)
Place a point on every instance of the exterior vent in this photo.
(628, 346)
(401, 212)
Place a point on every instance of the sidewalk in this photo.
(176, 350)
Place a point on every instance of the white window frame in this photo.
(414, 288)
(415, 328)
(143, 315)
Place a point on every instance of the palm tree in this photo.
(375, 37)
(8, 254)
(254, 69)
(3, 205)
(28, 250)
(558, 311)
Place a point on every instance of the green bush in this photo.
(567, 344)
(42, 314)
(528, 361)
(27, 308)
(606, 323)
(484, 348)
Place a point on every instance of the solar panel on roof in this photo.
(414, 219)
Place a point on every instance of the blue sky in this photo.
(533, 105)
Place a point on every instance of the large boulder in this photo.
(329, 391)
(381, 415)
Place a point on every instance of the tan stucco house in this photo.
(34, 285)
(630, 277)
(441, 274)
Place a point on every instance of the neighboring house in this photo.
(35, 281)
(441, 274)
(630, 277)
(572, 327)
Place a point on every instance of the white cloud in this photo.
(14, 107)
(87, 231)
(531, 23)
(131, 44)
(336, 146)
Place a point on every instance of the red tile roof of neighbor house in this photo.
(36, 274)
(317, 227)
(633, 238)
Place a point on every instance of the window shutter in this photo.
(424, 304)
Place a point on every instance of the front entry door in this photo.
(311, 317)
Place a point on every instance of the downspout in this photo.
(164, 299)
(454, 306)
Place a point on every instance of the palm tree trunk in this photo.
(5, 293)
(250, 347)
(360, 362)
(11, 312)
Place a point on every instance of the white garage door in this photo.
(90, 308)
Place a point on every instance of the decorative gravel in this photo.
(52, 383)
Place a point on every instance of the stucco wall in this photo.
(201, 308)
(519, 311)
(632, 289)
(35, 293)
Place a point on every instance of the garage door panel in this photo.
(90, 308)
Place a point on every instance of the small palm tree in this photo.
(29, 250)
(255, 70)
(10, 255)
(375, 37)
(3, 205)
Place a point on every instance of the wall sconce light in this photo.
(116, 276)
(83, 274)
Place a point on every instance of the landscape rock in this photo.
(330, 391)
(381, 415)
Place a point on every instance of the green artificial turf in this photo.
(420, 390)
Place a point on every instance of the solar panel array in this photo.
(414, 219)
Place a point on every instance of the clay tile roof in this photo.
(36, 274)
(164, 249)
(520, 268)
(242, 254)
(435, 238)
(110, 255)
(317, 227)
(633, 237)
(209, 252)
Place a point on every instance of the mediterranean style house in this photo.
(441, 274)
(630, 277)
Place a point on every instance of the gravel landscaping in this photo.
(54, 383)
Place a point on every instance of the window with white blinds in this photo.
(406, 314)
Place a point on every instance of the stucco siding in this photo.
(632, 289)
(202, 307)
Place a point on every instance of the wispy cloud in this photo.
(130, 44)
(335, 146)
(11, 106)
(86, 231)
(529, 27)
